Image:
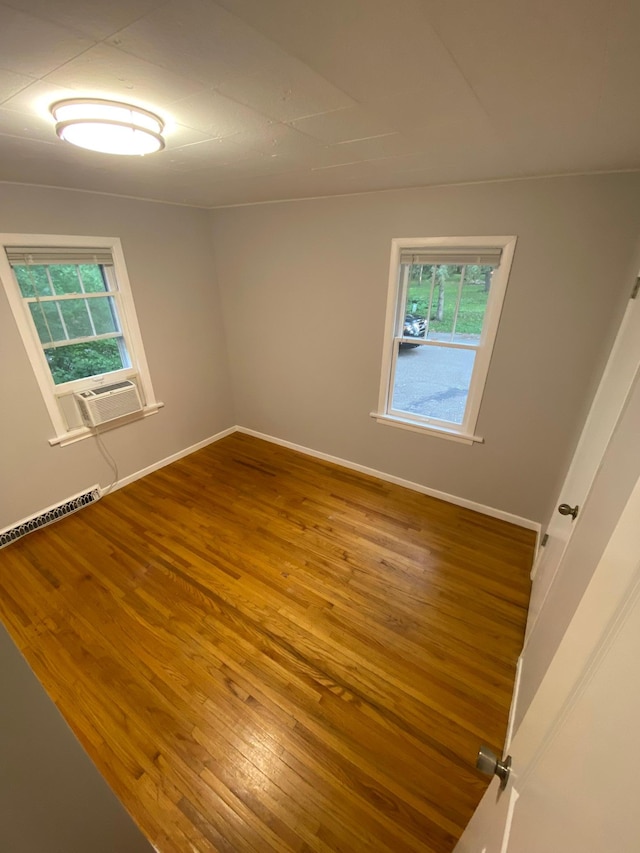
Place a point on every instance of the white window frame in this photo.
(465, 432)
(52, 394)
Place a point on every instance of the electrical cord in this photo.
(111, 462)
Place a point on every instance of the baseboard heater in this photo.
(48, 516)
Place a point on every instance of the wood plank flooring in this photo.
(265, 652)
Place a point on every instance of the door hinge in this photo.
(545, 539)
(636, 288)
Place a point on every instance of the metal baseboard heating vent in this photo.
(12, 534)
(101, 405)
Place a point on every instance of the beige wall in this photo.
(168, 253)
(304, 289)
(52, 798)
(303, 292)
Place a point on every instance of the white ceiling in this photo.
(273, 99)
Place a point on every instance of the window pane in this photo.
(445, 299)
(92, 278)
(432, 296)
(418, 293)
(65, 278)
(77, 361)
(433, 382)
(33, 280)
(103, 312)
(76, 318)
(473, 303)
(48, 324)
(51, 318)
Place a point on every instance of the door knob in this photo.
(565, 509)
(489, 764)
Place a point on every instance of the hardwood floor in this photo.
(262, 651)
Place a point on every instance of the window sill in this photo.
(413, 426)
(75, 435)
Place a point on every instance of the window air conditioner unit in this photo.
(100, 405)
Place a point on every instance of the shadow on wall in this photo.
(52, 798)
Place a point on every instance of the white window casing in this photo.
(496, 251)
(47, 249)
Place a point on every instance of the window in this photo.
(71, 300)
(445, 298)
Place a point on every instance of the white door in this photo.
(608, 403)
(573, 786)
(585, 780)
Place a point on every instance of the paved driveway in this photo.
(433, 381)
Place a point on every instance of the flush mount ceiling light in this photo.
(108, 126)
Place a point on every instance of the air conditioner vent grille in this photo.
(100, 405)
(108, 408)
(114, 387)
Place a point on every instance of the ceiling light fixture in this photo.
(108, 126)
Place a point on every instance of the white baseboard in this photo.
(512, 709)
(168, 460)
(336, 460)
(399, 481)
(539, 553)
